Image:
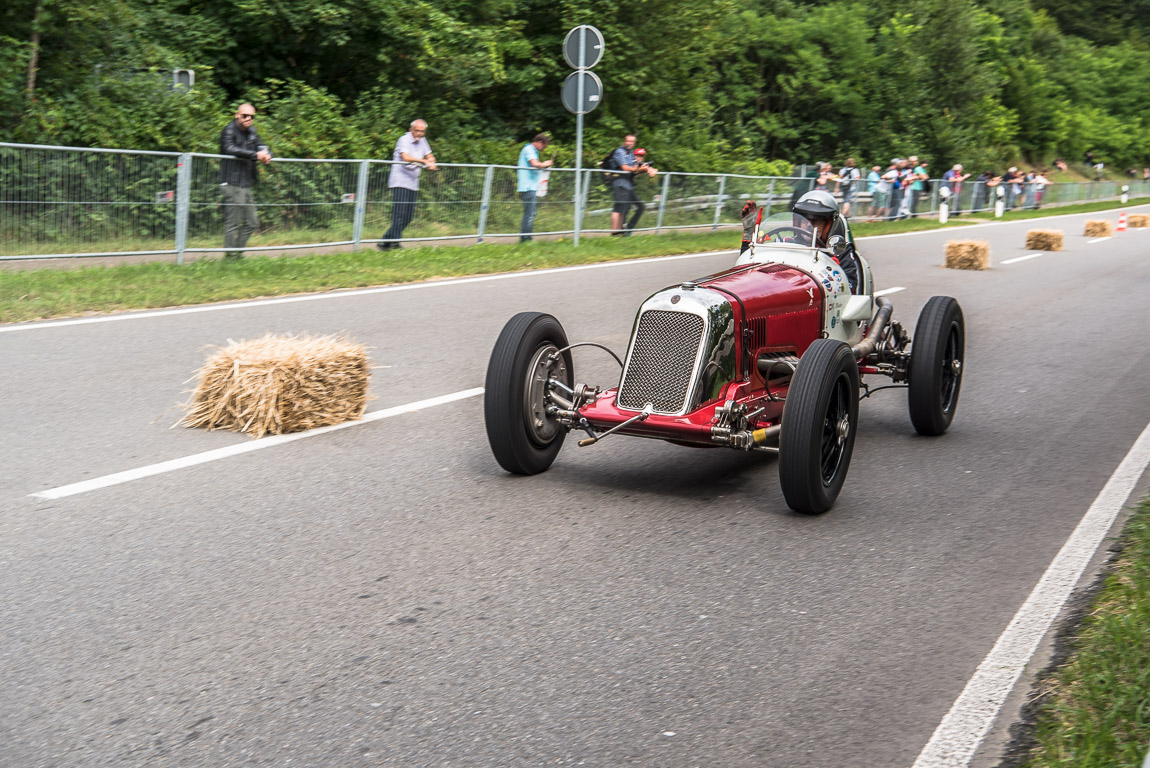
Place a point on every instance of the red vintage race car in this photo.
(768, 355)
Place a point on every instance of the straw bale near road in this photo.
(1044, 240)
(1099, 228)
(967, 254)
(1139, 220)
(277, 384)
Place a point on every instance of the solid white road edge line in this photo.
(1098, 240)
(958, 735)
(885, 291)
(338, 294)
(1021, 258)
(254, 445)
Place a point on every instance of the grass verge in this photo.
(43, 293)
(1094, 711)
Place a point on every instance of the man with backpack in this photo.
(625, 162)
(848, 175)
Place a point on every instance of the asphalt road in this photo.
(386, 595)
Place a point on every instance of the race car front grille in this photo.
(662, 360)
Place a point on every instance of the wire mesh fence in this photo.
(58, 202)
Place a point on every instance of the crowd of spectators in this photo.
(898, 190)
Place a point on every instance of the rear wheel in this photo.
(820, 420)
(936, 365)
(524, 439)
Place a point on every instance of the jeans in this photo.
(529, 198)
(240, 219)
(402, 209)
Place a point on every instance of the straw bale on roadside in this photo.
(1099, 228)
(280, 383)
(1044, 240)
(967, 254)
(1138, 220)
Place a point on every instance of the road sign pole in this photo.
(579, 137)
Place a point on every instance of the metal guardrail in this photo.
(68, 202)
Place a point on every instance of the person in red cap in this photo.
(631, 162)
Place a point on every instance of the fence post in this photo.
(719, 204)
(183, 190)
(770, 197)
(585, 192)
(360, 205)
(483, 205)
(663, 202)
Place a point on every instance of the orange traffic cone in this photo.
(1121, 222)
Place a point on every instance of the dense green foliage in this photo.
(708, 84)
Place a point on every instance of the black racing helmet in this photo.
(817, 205)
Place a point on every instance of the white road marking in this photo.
(346, 294)
(1021, 258)
(248, 447)
(885, 291)
(958, 735)
(338, 294)
(1098, 240)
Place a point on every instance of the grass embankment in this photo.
(1095, 712)
(43, 293)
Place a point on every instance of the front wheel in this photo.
(820, 420)
(523, 437)
(936, 363)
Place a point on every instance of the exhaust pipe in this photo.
(870, 342)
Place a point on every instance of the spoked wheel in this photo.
(820, 420)
(936, 365)
(524, 439)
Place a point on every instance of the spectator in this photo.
(1040, 182)
(906, 178)
(1060, 164)
(952, 181)
(874, 184)
(1146, 174)
(982, 186)
(1011, 180)
(848, 175)
(1099, 168)
(237, 177)
(825, 176)
(412, 155)
(893, 177)
(629, 162)
(527, 181)
(1089, 158)
(920, 178)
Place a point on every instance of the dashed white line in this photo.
(958, 735)
(248, 447)
(1022, 258)
(885, 291)
(1098, 240)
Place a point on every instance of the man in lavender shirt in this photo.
(412, 155)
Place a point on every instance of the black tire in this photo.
(525, 440)
(936, 365)
(820, 420)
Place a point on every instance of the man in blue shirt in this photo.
(412, 155)
(527, 181)
(627, 162)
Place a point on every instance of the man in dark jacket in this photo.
(237, 177)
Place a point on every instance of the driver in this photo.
(822, 210)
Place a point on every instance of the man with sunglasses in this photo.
(237, 177)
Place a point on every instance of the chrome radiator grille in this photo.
(662, 361)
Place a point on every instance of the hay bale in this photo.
(277, 384)
(967, 254)
(1044, 240)
(1099, 228)
(1138, 220)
